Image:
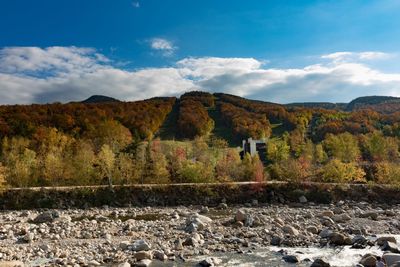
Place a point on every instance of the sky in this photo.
(273, 50)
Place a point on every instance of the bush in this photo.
(195, 172)
(288, 170)
(336, 171)
(387, 173)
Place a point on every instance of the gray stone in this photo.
(381, 240)
(325, 233)
(290, 258)
(209, 262)
(140, 245)
(45, 217)
(368, 260)
(303, 199)
(340, 239)
(390, 246)
(124, 245)
(391, 258)
(276, 241)
(290, 230)
(240, 216)
(320, 263)
(312, 229)
(142, 255)
(160, 255)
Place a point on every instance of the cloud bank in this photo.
(43, 75)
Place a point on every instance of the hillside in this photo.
(194, 138)
(383, 104)
(99, 99)
(220, 115)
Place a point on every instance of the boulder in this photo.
(312, 229)
(190, 241)
(46, 217)
(124, 245)
(381, 240)
(368, 260)
(142, 255)
(391, 258)
(197, 222)
(303, 199)
(341, 218)
(320, 263)
(240, 216)
(290, 258)
(209, 262)
(140, 245)
(276, 241)
(290, 230)
(325, 233)
(160, 255)
(390, 246)
(340, 239)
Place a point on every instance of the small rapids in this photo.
(272, 256)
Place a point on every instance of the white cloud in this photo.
(356, 56)
(164, 46)
(32, 74)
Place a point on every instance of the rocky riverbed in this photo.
(254, 234)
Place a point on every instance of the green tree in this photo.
(82, 164)
(342, 146)
(111, 133)
(377, 147)
(106, 159)
(277, 150)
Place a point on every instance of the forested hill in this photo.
(197, 114)
(194, 138)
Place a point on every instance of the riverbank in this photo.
(194, 194)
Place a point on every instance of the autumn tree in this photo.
(277, 150)
(342, 146)
(336, 171)
(377, 147)
(106, 162)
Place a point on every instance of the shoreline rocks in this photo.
(146, 235)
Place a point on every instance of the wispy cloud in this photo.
(163, 46)
(33, 74)
(356, 56)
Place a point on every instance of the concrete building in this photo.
(254, 147)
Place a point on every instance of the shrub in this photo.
(288, 170)
(387, 173)
(336, 171)
(194, 172)
(342, 146)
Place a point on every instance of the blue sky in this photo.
(283, 51)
